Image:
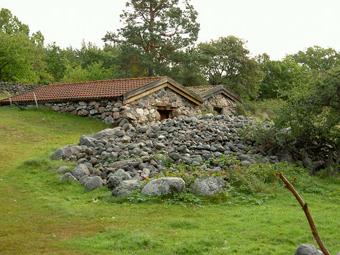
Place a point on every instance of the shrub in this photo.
(308, 126)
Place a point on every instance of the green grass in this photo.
(39, 215)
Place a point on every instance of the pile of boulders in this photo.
(109, 111)
(125, 158)
(11, 89)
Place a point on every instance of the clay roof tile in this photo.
(82, 90)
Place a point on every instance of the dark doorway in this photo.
(218, 110)
(165, 114)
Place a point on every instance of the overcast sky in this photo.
(277, 27)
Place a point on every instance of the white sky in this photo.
(277, 27)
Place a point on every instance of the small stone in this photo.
(119, 133)
(66, 152)
(108, 120)
(208, 186)
(62, 170)
(126, 139)
(126, 187)
(68, 177)
(83, 112)
(113, 181)
(159, 146)
(307, 249)
(145, 173)
(93, 160)
(108, 132)
(86, 140)
(164, 186)
(93, 182)
(122, 174)
(80, 171)
(175, 156)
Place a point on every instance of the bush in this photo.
(308, 126)
(261, 110)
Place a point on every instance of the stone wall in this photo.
(109, 111)
(140, 111)
(11, 89)
(227, 106)
(145, 109)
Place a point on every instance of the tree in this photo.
(308, 125)
(17, 58)
(280, 76)
(95, 71)
(91, 57)
(156, 29)
(55, 61)
(21, 54)
(318, 59)
(75, 74)
(227, 61)
(10, 24)
(187, 70)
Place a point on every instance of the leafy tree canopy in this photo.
(318, 59)
(227, 61)
(156, 29)
(10, 24)
(280, 76)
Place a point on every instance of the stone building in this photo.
(216, 98)
(138, 100)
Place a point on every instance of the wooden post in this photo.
(10, 101)
(309, 217)
(35, 100)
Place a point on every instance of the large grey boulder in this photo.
(307, 249)
(80, 171)
(164, 186)
(121, 174)
(208, 186)
(126, 187)
(123, 163)
(126, 139)
(108, 132)
(66, 152)
(93, 182)
(87, 140)
(62, 169)
(68, 177)
(109, 120)
(116, 178)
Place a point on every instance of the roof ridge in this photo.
(107, 80)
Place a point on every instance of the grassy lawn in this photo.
(39, 215)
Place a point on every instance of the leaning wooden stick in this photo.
(309, 217)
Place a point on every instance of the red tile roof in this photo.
(82, 90)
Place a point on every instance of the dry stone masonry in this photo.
(127, 157)
(136, 100)
(141, 111)
(219, 104)
(7, 88)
